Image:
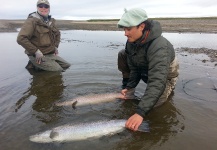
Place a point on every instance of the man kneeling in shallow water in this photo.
(147, 56)
(40, 38)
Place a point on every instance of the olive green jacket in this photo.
(150, 61)
(37, 34)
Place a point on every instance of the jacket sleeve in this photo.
(134, 76)
(25, 36)
(159, 59)
(57, 34)
(58, 39)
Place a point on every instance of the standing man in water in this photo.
(40, 38)
(147, 56)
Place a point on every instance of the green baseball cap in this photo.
(132, 17)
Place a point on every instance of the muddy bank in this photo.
(211, 53)
(201, 25)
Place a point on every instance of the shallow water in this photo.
(27, 98)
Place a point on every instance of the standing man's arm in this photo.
(25, 36)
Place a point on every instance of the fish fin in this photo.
(58, 103)
(144, 127)
(54, 134)
(74, 104)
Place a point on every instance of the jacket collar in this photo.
(38, 16)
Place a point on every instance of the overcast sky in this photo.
(110, 9)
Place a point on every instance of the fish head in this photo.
(43, 137)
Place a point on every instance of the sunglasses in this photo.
(43, 5)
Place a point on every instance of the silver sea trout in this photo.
(83, 131)
(91, 99)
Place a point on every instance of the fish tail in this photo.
(144, 127)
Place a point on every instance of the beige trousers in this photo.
(51, 62)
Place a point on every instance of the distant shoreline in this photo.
(184, 25)
(180, 25)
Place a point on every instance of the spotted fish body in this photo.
(91, 99)
(78, 132)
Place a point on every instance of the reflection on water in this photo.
(46, 87)
(28, 98)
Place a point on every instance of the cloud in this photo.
(113, 9)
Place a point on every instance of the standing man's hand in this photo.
(56, 51)
(134, 122)
(38, 56)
